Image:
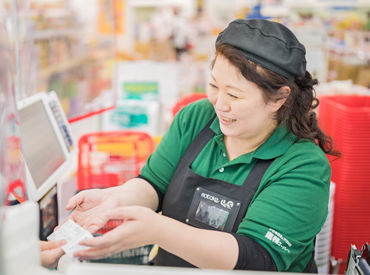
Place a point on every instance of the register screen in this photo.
(40, 145)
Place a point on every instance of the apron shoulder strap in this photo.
(250, 187)
(255, 175)
(197, 144)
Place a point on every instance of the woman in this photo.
(241, 178)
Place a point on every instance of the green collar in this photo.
(277, 144)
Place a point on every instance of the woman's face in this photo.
(239, 103)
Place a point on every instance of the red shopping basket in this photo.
(109, 159)
(346, 118)
(185, 100)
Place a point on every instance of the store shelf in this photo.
(71, 63)
(64, 66)
(49, 12)
(314, 4)
(102, 54)
(49, 34)
(155, 3)
(45, 12)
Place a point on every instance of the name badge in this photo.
(212, 210)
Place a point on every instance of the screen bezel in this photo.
(34, 193)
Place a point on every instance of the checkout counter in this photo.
(21, 237)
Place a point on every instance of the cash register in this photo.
(46, 143)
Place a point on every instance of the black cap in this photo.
(267, 43)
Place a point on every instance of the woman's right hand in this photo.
(89, 208)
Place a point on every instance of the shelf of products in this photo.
(70, 53)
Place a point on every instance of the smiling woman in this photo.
(246, 119)
(235, 174)
(293, 102)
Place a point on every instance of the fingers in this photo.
(50, 257)
(122, 237)
(101, 241)
(51, 252)
(93, 226)
(55, 253)
(94, 253)
(99, 247)
(75, 201)
(103, 246)
(91, 220)
(109, 239)
(51, 245)
(95, 222)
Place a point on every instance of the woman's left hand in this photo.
(138, 229)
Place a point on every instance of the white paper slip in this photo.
(73, 234)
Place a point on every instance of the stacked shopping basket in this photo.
(346, 118)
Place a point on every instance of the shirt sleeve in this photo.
(287, 213)
(189, 121)
(161, 165)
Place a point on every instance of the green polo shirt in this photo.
(290, 205)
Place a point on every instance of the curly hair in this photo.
(297, 113)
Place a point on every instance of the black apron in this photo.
(203, 202)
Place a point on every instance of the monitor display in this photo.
(40, 146)
(45, 141)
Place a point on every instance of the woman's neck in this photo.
(236, 146)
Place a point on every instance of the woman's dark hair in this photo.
(297, 113)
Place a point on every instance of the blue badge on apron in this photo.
(212, 210)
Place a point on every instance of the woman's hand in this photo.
(51, 253)
(90, 208)
(140, 227)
